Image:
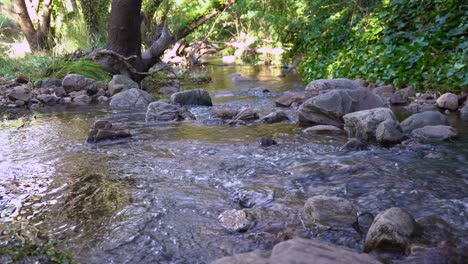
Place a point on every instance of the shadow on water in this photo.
(156, 198)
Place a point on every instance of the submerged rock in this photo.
(329, 211)
(102, 130)
(162, 111)
(391, 229)
(131, 99)
(448, 101)
(121, 83)
(302, 251)
(363, 124)
(289, 98)
(330, 107)
(354, 144)
(428, 118)
(192, 97)
(248, 198)
(237, 220)
(434, 133)
(266, 142)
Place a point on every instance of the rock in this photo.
(323, 129)
(168, 90)
(237, 78)
(75, 82)
(434, 133)
(21, 80)
(329, 211)
(289, 98)
(49, 100)
(363, 124)
(82, 100)
(102, 130)
(275, 117)
(388, 132)
(246, 115)
(51, 82)
(192, 97)
(58, 91)
(428, 118)
(324, 85)
(237, 220)
(391, 229)
(448, 101)
(330, 107)
(266, 142)
(302, 251)
(131, 99)
(21, 93)
(249, 198)
(19, 103)
(354, 144)
(121, 83)
(416, 108)
(464, 112)
(162, 111)
(224, 113)
(103, 99)
(384, 90)
(398, 99)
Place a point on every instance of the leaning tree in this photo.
(123, 54)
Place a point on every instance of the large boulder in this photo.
(329, 211)
(162, 111)
(19, 93)
(391, 229)
(324, 85)
(448, 101)
(329, 108)
(121, 83)
(131, 99)
(301, 251)
(192, 97)
(363, 124)
(428, 118)
(434, 133)
(76, 83)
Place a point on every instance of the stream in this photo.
(156, 197)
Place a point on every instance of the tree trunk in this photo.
(37, 39)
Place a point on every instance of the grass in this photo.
(38, 67)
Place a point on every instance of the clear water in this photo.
(156, 198)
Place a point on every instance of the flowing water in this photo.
(156, 198)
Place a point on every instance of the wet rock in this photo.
(434, 133)
(224, 113)
(464, 112)
(49, 100)
(82, 100)
(324, 85)
(275, 117)
(419, 254)
(75, 82)
(330, 107)
(354, 144)
(364, 222)
(324, 129)
(448, 101)
(246, 115)
(289, 98)
(103, 99)
(254, 197)
(266, 142)
(388, 132)
(51, 82)
(192, 97)
(329, 211)
(162, 111)
(428, 118)
(391, 229)
(21, 93)
(103, 130)
(131, 99)
(121, 83)
(435, 229)
(363, 124)
(237, 220)
(302, 251)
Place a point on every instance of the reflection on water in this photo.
(155, 198)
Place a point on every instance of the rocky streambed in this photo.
(251, 168)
